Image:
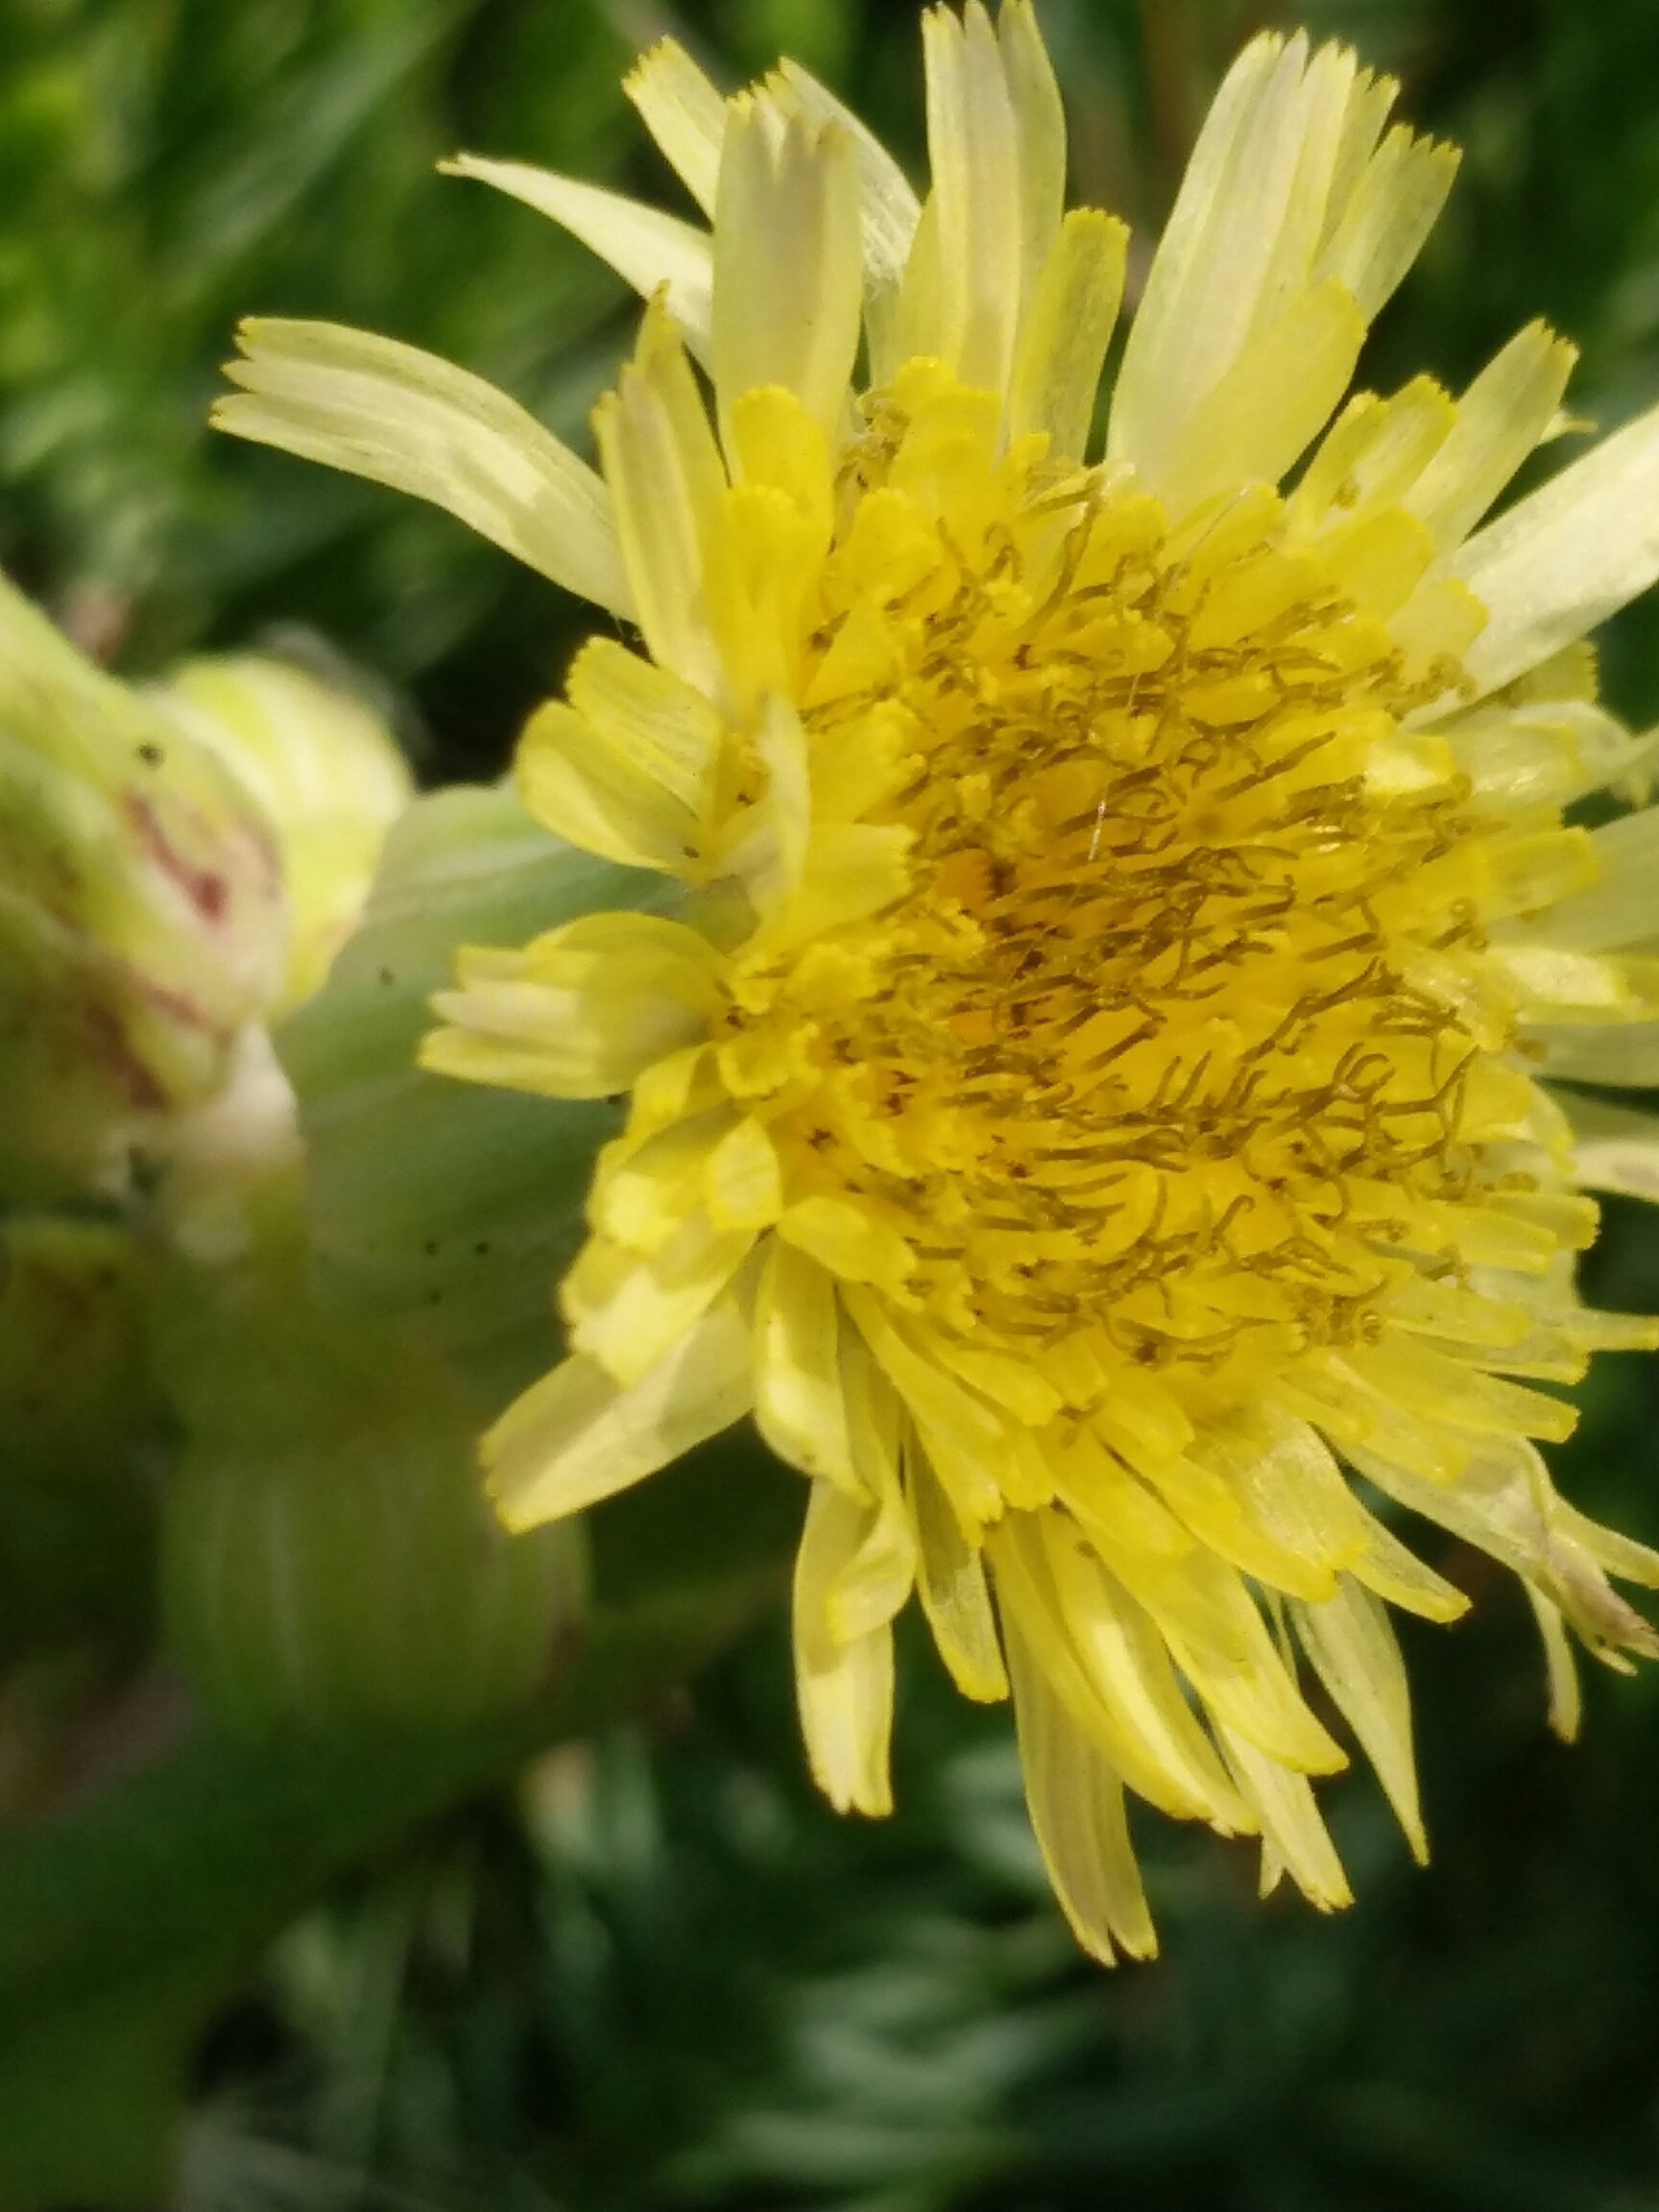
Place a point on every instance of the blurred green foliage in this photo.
(655, 1971)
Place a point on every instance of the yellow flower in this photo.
(1084, 1097)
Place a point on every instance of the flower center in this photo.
(1158, 1061)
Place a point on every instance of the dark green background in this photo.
(660, 1974)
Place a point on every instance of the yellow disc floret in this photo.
(1181, 1032)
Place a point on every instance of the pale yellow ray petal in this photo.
(1620, 1555)
(1566, 1694)
(1329, 116)
(1393, 1572)
(1239, 243)
(1042, 1584)
(1546, 754)
(1284, 195)
(574, 1437)
(770, 852)
(1128, 1664)
(1251, 1693)
(1077, 1813)
(402, 418)
(683, 112)
(776, 442)
(1004, 1377)
(956, 1597)
(637, 1318)
(579, 1011)
(854, 1243)
(789, 261)
(744, 1179)
(965, 305)
(878, 1581)
(667, 484)
(1625, 1053)
(1621, 907)
(1500, 419)
(1284, 1475)
(875, 1584)
(1614, 1147)
(1560, 561)
(1409, 1373)
(1066, 332)
(1504, 1502)
(664, 726)
(1268, 406)
(1210, 1508)
(1371, 456)
(646, 248)
(1370, 102)
(1288, 1476)
(844, 1690)
(1291, 1825)
(645, 1186)
(587, 789)
(1552, 985)
(1354, 1653)
(1040, 137)
(1193, 314)
(877, 1428)
(966, 1439)
(889, 209)
(1397, 203)
(800, 1401)
(848, 870)
(1204, 1610)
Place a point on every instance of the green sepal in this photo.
(453, 1202)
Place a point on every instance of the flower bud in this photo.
(143, 920)
(326, 775)
(177, 866)
(330, 1562)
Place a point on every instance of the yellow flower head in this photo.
(1085, 1097)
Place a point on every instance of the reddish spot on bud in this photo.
(206, 890)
